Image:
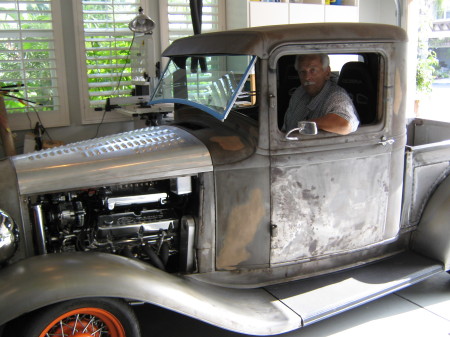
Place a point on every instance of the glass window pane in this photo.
(213, 88)
(27, 54)
(108, 42)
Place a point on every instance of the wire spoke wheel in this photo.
(84, 317)
(85, 322)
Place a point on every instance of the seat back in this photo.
(356, 79)
(288, 81)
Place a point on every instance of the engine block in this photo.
(139, 220)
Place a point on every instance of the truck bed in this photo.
(427, 132)
(427, 159)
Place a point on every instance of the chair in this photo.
(288, 81)
(356, 79)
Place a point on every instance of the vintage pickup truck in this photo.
(222, 216)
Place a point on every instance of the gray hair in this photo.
(324, 59)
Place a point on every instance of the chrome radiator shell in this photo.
(139, 155)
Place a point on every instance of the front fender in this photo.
(46, 279)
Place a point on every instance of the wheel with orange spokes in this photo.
(98, 317)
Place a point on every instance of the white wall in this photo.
(377, 11)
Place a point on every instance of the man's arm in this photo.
(333, 123)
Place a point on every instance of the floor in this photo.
(422, 310)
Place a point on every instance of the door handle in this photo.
(384, 141)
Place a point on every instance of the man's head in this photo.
(313, 70)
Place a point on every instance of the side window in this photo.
(32, 62)
(358, 74)
(105, 50)
(247, 102)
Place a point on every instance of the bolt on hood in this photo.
(139, 155)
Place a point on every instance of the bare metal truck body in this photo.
(218, 215)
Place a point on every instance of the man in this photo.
(320, 100)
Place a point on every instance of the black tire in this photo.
(112, 315)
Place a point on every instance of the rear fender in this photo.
(432, 237)
(47, 279)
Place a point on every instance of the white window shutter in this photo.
(31, 55)
(176, 20)
(105, 54)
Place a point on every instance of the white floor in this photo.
(422, 310)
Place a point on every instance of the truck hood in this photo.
(139, 155)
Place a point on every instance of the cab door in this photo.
(332, 194)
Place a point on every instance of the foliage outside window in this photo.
(425, 73)
(30, 57)
(442, 9)
(106, 48)
(428, 67)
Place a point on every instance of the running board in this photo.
(321, 297)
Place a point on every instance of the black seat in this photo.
(288, 81)
(356, 79)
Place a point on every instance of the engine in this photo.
(151, 221)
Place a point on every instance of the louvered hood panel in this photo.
(140, 155)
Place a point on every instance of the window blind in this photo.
(28, 55)
(107, 42)
(179, 18)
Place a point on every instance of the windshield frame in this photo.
(215, 113)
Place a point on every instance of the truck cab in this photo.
(289, 205)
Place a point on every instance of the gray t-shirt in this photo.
(332, 99)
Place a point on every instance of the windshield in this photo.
(210, 83)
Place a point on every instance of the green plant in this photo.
(425, 72)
